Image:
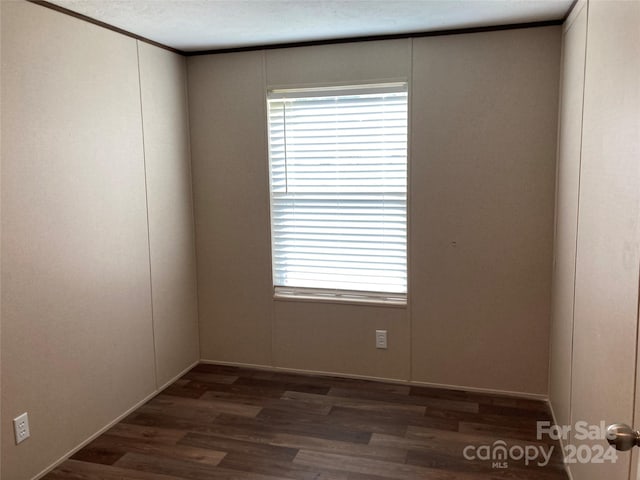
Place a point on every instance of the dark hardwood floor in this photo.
(219, 422)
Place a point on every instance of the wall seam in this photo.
(146, 197)
(193, 202)
(555, 219)
(272, 311)
(575, 261)
(409, 211)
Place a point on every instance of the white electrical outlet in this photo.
(381, 339)
(21, 427)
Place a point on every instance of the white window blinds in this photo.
(338, 161)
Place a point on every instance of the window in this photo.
(338, 163)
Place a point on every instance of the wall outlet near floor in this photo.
(381, 339)
(21, 427)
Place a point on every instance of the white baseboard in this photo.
(271, 368)
(490, 391)
(111, 424)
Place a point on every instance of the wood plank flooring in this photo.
(220, 422)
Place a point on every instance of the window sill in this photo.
(341, 297)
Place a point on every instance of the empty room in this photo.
(330, 240)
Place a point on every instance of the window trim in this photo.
(338, 296)
(352, 297)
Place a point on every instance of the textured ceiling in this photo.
(192, 25)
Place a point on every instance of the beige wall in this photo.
(333, 337)
(482, 174)
(567, 189)
(594, 369)
(483, 167)
(170, 210)
(78, 333)
(231, 203)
